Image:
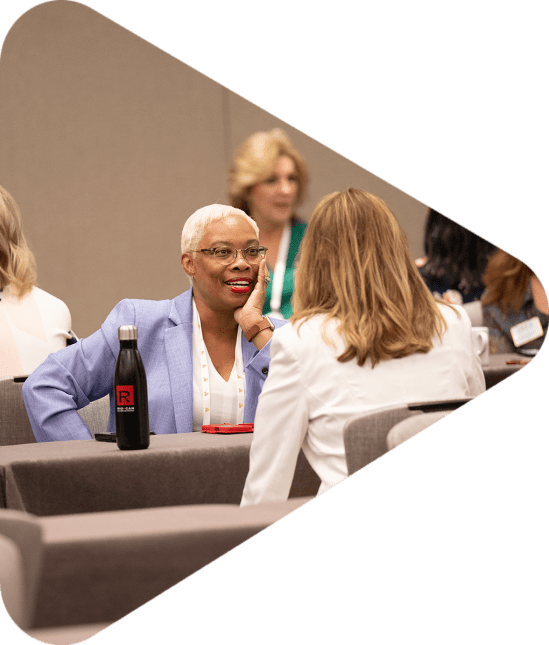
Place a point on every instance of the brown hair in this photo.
(17, 263)
(254, 162)
(506, 280)
(355, 267)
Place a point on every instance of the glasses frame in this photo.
(262, 253)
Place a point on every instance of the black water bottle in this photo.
(130, 389)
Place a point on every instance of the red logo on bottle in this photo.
(124, 395)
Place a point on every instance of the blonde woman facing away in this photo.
(268, 179)
(366, 333)
(33, 323)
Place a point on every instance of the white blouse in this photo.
(30, 328)
(215, 400)
(309, 395)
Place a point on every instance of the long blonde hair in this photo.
(355, 267)
(17, 263)
(506, 280)
(254, 161)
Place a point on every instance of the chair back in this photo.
(365, 435)
(15, 426)
(96, 415)
(19, 576)
(12, 584)
(411, 426)
(474, 311)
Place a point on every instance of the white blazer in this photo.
(309, 395)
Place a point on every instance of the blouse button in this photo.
(265, 371)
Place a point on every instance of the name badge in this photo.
(526, 331)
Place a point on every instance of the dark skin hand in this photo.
(252, 312)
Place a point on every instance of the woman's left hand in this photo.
(252, 312)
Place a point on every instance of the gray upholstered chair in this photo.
(474, 311)
(15, 427)
(411, 426)
(21, 551)
(12, 584)
(96, 415)
(365, 435)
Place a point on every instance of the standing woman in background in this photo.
(268, 180)
(33, 323)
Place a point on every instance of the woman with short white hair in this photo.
(218, 319)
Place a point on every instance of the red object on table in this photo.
(228, 428)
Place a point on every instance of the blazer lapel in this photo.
(178, 345)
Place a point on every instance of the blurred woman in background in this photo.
(268, 180)
(366, 334)
(33, 323)
(454, 260)
(514, 306)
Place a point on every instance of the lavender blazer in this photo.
(74, 376)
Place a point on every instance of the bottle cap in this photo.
(127, 332)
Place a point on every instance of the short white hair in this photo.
(196, 224)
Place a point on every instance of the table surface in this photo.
(499, 362)
(51, 450)
(497, 369)
(97, 567)
(127, 525)
(62, 477)
(66, 635)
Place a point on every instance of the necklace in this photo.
(205, 362)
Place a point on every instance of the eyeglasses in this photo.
(228, 254)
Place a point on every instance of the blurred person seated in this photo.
(366, 334)
(454, 260)
(514, 306)
(220, 318)
(268, 179)
(33, 323)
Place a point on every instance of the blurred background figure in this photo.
(514, 306)
(454, 260)
(33, 323)
(366, 334)
(268, 180)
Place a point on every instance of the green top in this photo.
(298, 231)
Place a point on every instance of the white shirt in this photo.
(224, 400)
(309, 395)
(30, 328)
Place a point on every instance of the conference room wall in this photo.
(108, 144)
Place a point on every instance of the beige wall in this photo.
(108, 145)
